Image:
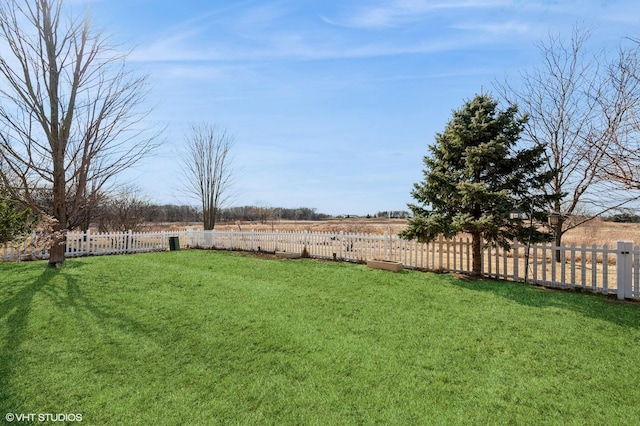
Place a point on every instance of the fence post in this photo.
(129, 241)
(306, 241)
(385, 243)
(623, 269)
(87, 240)
(441, 254)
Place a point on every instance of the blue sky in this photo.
(332, 103)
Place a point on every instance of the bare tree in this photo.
(69, 108)
(619, 102)
(126, 210)
(571, 103)
(208, 171)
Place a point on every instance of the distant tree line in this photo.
(394, 214)
(267, 214)
(126, 208)
(625, 217)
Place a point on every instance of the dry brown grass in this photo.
(595, 232)
(599, 233)
(351, 226)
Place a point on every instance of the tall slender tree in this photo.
(70, 111)
(208, 169)
(474, 178)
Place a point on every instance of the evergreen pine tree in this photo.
(15, 221)
(476, 176)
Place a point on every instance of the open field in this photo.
(206, 337)
(352, 225)
(595, 232)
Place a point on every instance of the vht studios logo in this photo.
(42, 417)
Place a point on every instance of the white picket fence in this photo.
(596, 269)
(603, 269)
(92, 244)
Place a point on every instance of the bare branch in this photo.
(582, 108)
(70, 110)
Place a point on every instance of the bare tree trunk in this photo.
(57, 249)
(208, 217)
(558, 232)
(58, 242)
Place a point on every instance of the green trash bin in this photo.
(174, 243)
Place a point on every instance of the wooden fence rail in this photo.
(596, 269)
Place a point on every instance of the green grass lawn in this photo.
(201, 337)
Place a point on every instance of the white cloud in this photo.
(400, 12)
(275, 31)
(496, 28)
(290, 45)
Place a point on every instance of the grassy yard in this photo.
(200, 337)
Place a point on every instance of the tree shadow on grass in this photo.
(14, 313)
(85, 310)
(589, 305)
(61, 288)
